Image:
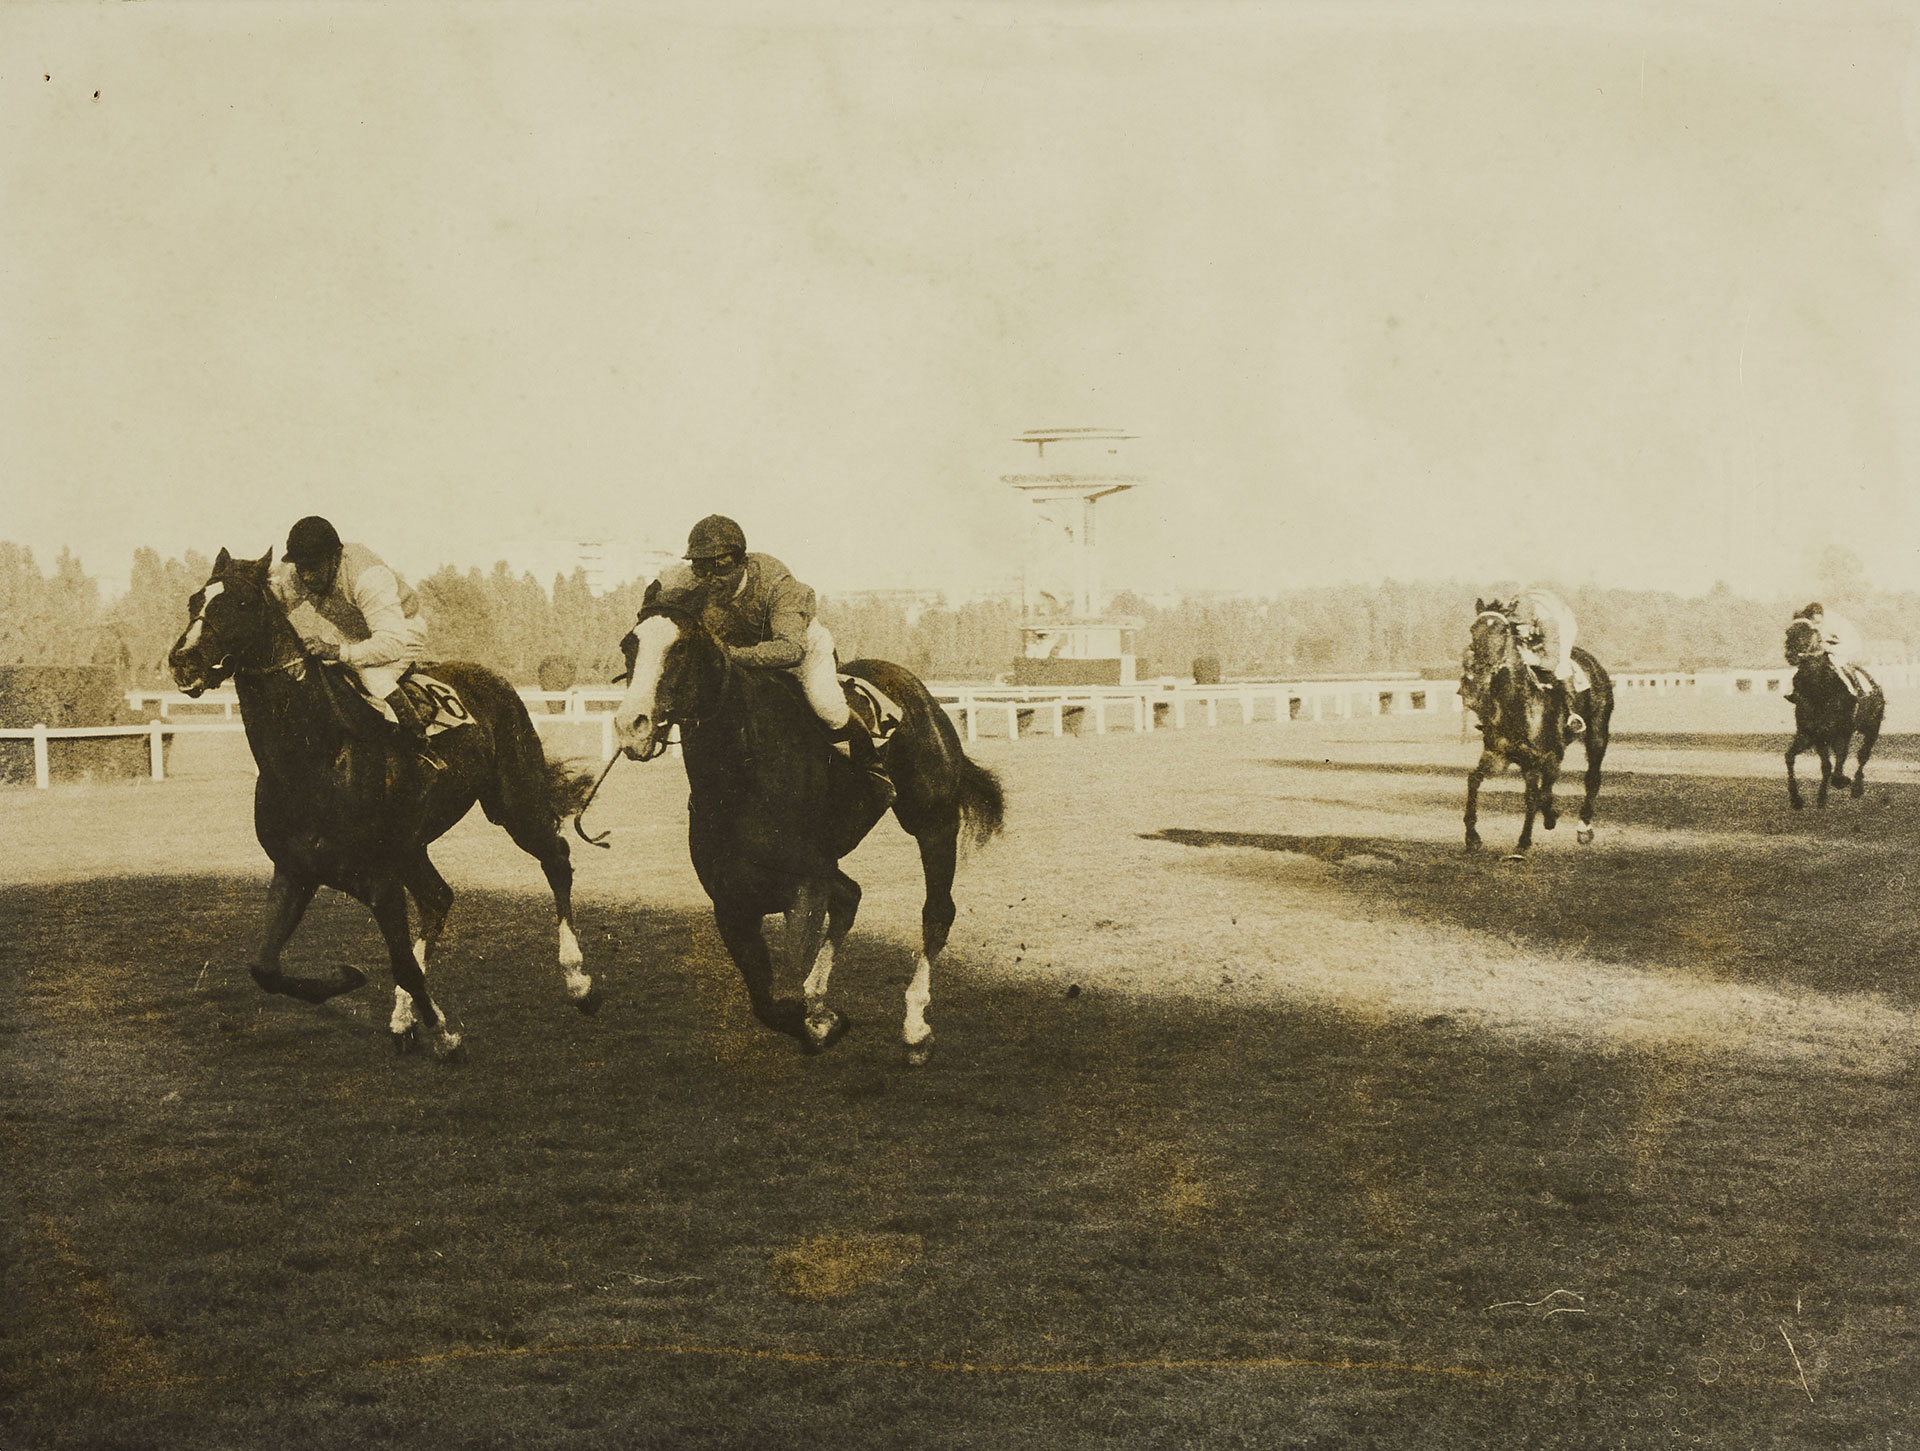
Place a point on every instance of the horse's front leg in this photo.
(388, 902)
(287, 903)
(1487, 764)
(741, 929)
(1826, 770)
(805, 936)
(1549, 777)
(1530, 774)
(1795, 746)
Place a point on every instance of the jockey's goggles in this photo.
(717, 564)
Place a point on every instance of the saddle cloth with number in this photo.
(438, 704)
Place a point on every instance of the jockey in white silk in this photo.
(1841, 640)
(347, 605)
(1546, 618)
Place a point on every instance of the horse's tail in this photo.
(977, 791)
(983, 804)
(569, 788)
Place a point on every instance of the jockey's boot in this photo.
(1573, 725)
(413, 728)
(853, 741)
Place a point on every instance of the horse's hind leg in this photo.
(1826, 770)
(939, 853)
(535, 834)
(1869, 728)
(1596, 748)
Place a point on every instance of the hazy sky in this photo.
(1622, 293)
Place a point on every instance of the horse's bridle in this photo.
(690, 631)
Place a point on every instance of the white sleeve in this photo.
(394, 637)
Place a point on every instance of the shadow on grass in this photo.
(1737, 911)
(243, 1219)
(1657, 800)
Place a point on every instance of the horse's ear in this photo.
(222, 562)
(1479, 605)
(265, 561)
(651, 597)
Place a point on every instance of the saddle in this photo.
(1577, 683)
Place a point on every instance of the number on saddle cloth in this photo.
(436, 701)
(872, 707)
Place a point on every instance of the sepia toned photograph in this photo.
(1088, 723)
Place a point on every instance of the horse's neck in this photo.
(290, 717)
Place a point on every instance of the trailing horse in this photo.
(342, 802)
(1521, 722)
(1827, 715)
(774, 808)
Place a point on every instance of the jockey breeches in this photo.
(820, 678)
(382, 680)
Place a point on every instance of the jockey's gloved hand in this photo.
(324, 650)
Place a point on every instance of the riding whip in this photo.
(581, 831)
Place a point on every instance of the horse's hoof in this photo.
(1859, 788)
(451, 1050)
(406, 1040)
(823, 1030)
(1796, 803)
(590, 1003)
(1584, 836)
(919, 1053)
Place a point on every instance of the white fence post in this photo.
(606, 738)
(42, 775)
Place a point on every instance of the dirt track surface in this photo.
(1310, 863)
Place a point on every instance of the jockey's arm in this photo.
(315, 630)
(395, 637)
(790, 613)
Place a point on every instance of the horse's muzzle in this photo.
(646, 740)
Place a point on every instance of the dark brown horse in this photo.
(1522, 721)
(1827, 715)
(342, 802)
(774, 808)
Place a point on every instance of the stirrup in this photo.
(1575, 725)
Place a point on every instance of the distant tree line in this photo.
(562, 633)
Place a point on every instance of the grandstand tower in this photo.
(1066, 639)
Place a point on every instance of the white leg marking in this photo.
(815, 986)
(402, 1018)
(579, 983)
(919, 998)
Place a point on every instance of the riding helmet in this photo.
(311, 541)
(714, 536)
